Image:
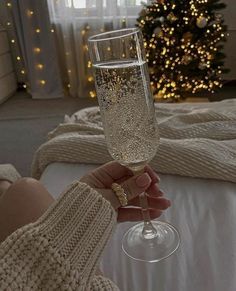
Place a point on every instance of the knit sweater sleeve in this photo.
(61, 250)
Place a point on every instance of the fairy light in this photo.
(92, 94)
(30, 12)
(39, 66)
(13, 41)
(42, 82)
(37, 30)
(37, 50)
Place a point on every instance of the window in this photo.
(80, 4)
(95, 9)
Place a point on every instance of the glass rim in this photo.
(102, 36)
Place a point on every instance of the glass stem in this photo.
(149, 230)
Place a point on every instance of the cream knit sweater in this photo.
(61, 250)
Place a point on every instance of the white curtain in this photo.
(33, 46)
(75, 21)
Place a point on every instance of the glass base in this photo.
(153, 249)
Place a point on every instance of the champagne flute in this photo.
(130, 128)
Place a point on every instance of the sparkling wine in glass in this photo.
(130, 128)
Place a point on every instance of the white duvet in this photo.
(204, 212)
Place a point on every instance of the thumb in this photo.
(136, 185)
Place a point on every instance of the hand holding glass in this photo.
(130, 127)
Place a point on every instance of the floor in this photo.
(25, 123)
(21, 105)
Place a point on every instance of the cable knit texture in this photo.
(8, 173)
(197, 140)
(61, 250)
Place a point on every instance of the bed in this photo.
(203, 198)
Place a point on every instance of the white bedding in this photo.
(204, 212)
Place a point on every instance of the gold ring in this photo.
(120, 193)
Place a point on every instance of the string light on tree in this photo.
(183, 41)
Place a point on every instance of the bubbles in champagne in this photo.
(127, 111)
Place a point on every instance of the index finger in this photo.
(115, 170)
(155, 178)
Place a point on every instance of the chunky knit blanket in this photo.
(197, 140)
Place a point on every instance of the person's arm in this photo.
(61, 248)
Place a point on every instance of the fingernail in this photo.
(143, 180)
(158, 178)
(162, 191)
(157, 189)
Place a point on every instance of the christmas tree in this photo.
(183, 41)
